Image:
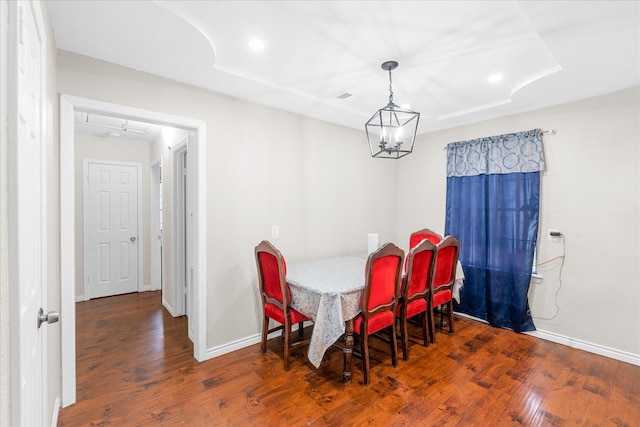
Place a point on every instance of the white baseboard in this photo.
(56, 411)
(168, 306)
(80, 298)
(244, 342)
(612, 353)
(145, 288)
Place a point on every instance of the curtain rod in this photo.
(542, 132)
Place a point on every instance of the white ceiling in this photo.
(549, 52)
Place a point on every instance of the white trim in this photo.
(233, 346)
(67, 252)
(155, 244)
(56, 412)
(85, 220)
(246, 342)
(68, 104)
(179, 233)
(612, 353)
(200, 152)
(168, 307)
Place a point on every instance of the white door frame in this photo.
(197, 147)
(179, 231)
(86, 212)
(155, 241)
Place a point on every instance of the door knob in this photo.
(133, 238)
(50, 317)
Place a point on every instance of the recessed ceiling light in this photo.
(495, 78)
(256, 44)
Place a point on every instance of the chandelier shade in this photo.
(391, 131)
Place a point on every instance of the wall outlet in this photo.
(275, 231)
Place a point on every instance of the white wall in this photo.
(314, 180)
(117, 150)
(589, 191)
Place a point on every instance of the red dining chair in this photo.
(444, 277)
(276, 299)
(379, 300)
(417, 236)
(414, 294)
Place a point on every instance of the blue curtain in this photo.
(493, 192)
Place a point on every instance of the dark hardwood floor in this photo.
(135, 368)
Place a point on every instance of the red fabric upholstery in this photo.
(413, 308)
(421, 264)
(271, 275)
(274, 312)
(417, 238)
(441, 297)
(383, 281)
(376, 323)
(444, 269)
(383, 291)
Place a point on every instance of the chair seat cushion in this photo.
(274, 312)
(376, 323)
(441, 297)
(414, 307)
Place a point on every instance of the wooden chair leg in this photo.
(265, 330)
(287, 345)
(404, 336)
(432, 326)
(364, 348)
(425, 332)
(450, 312)
(394, 346)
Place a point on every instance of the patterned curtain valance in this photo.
(509, 153)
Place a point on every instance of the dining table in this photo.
(328, 291)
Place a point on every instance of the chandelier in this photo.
(391, 131)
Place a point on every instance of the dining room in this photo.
(310, 186)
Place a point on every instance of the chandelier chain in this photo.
(390, 89)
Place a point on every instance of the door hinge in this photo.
(88, 279)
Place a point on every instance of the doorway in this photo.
(197, 211)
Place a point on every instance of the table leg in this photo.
(347, 351)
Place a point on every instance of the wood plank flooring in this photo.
(135, 368)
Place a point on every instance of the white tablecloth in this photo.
(327, 291)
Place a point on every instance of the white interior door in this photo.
(27, 214)
(111, 219)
